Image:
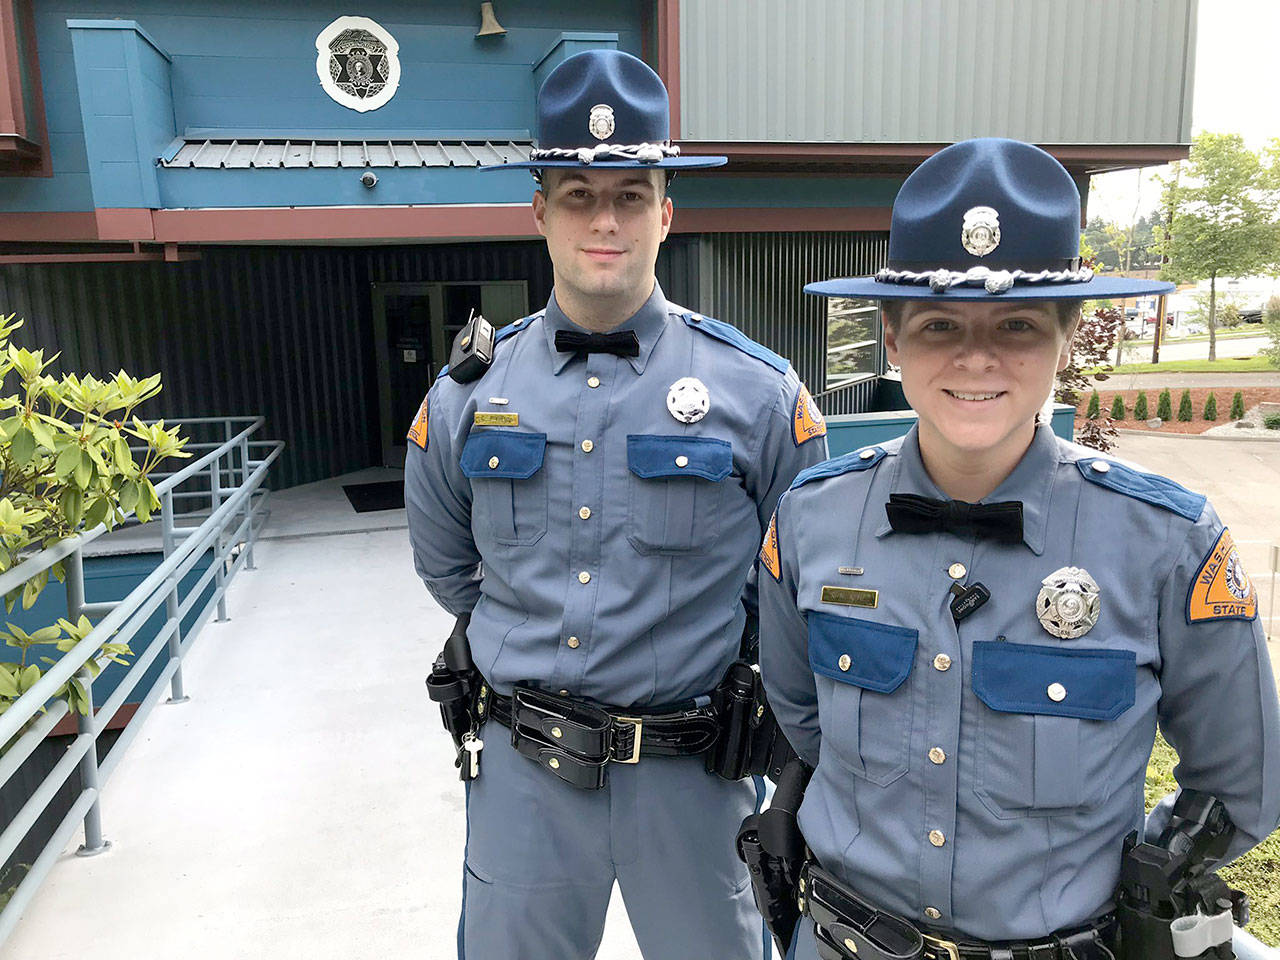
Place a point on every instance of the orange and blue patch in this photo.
(418, 432)
(769, 556)
(806, 419)
(1221, 589)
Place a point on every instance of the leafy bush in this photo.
(1271, 421)
(1095, 406)
(1090, 350)
(1117, 407)
(1140, 407)
(1185, 413)
(66, 466)
(1211, 407)
(1164, 406)
(1237, 406)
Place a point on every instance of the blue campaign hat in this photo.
(984, 219)
(605, 109)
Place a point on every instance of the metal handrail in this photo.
(236, 511)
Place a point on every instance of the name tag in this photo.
(496, 419)
(849, 597)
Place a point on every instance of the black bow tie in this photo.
(624, 343)
(912, 514)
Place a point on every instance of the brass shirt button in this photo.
(556, 732)
(844, 662)
(493, 463)
(956, 571)
(587, 446)
(573, 643)
(585, 513)
(937, 837)
(593, 382)
(682, 461)
(933, 913)
(942, 662)
(584, 577)
(553, 763)
(1057, 692)
(937, 755)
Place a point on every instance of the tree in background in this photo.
(1225, 215)
(1185, 413)
(1140, 407)
(1095, 406)
(1237, 406)
(1117, 408)
(1164, 406)
(1095, 336)
(1271, 323)
(1211, 407)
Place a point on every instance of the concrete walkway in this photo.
(1158, 381)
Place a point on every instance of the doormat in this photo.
(368, 497)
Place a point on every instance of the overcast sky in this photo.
(1237, 49)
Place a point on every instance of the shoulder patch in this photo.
(806, 419)
(1147, 487)
(734, 337)
(418, 432)
(1221, 590)
(769, 556)
(854, 462)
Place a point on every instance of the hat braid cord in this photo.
(995, 281)
(643, 152)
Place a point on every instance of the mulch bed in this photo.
(1252, 397)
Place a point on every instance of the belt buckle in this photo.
(638, 723)
(941, 948)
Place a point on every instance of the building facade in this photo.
(279, 206)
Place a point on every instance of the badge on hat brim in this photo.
(1068, 603)
(600, 123)
(981, 231)
(688, 400)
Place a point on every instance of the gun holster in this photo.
(771, 846)
(1169, 903)
(458, 688)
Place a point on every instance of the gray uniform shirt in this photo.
(602, 545)
(981, 777)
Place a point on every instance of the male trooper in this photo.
(593, 501)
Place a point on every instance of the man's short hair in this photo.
(892, 312)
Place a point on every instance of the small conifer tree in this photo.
(1164, 406)
(1140, 407)
(1211, 407)
(1237, 406)
(1117, 407)
(1095, 406)
(1185, 413)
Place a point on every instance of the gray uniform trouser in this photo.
(542, 858)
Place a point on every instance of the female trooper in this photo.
(971, 632)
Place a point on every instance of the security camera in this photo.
(369, 179)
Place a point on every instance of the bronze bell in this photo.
(489, 25)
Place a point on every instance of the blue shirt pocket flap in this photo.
(874, 656)
(651, 457)
(506, 454)
(1089, 684)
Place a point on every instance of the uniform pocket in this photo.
(677, 489)
(1048, 729)
(867, 717)
(508, 486)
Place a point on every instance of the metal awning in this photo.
(275, 154)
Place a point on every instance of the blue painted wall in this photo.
(250, 66)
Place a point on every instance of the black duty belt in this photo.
(576, 739)
(850, 928)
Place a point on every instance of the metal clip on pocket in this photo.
(849, 928)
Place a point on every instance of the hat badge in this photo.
(981, 232)
(600, 122)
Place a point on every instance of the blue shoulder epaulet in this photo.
(854, 462)
(1147, 487)
(734, 337)
(512, 328)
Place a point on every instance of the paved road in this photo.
(1196, 349)
(1158, 381)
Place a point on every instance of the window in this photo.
(853, 340)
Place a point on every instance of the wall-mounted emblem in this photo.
(600, 123)
(358, 63)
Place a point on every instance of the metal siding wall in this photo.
(1047, 71)
(755, 281)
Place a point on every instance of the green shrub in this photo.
(1237, 406)
(1211, 408)
(1164, 406)
(1140, 407)
(1271, 421)
(1095, 406)
(1185, 413)
(1117, 407)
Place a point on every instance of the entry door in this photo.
(414, 324)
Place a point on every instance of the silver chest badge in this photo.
(981, 231)
(1068, 603)
(688, 400)
(601, 121)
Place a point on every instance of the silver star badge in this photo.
(980, 233)
(688, 400)
(600, 122)
(1068, 603)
